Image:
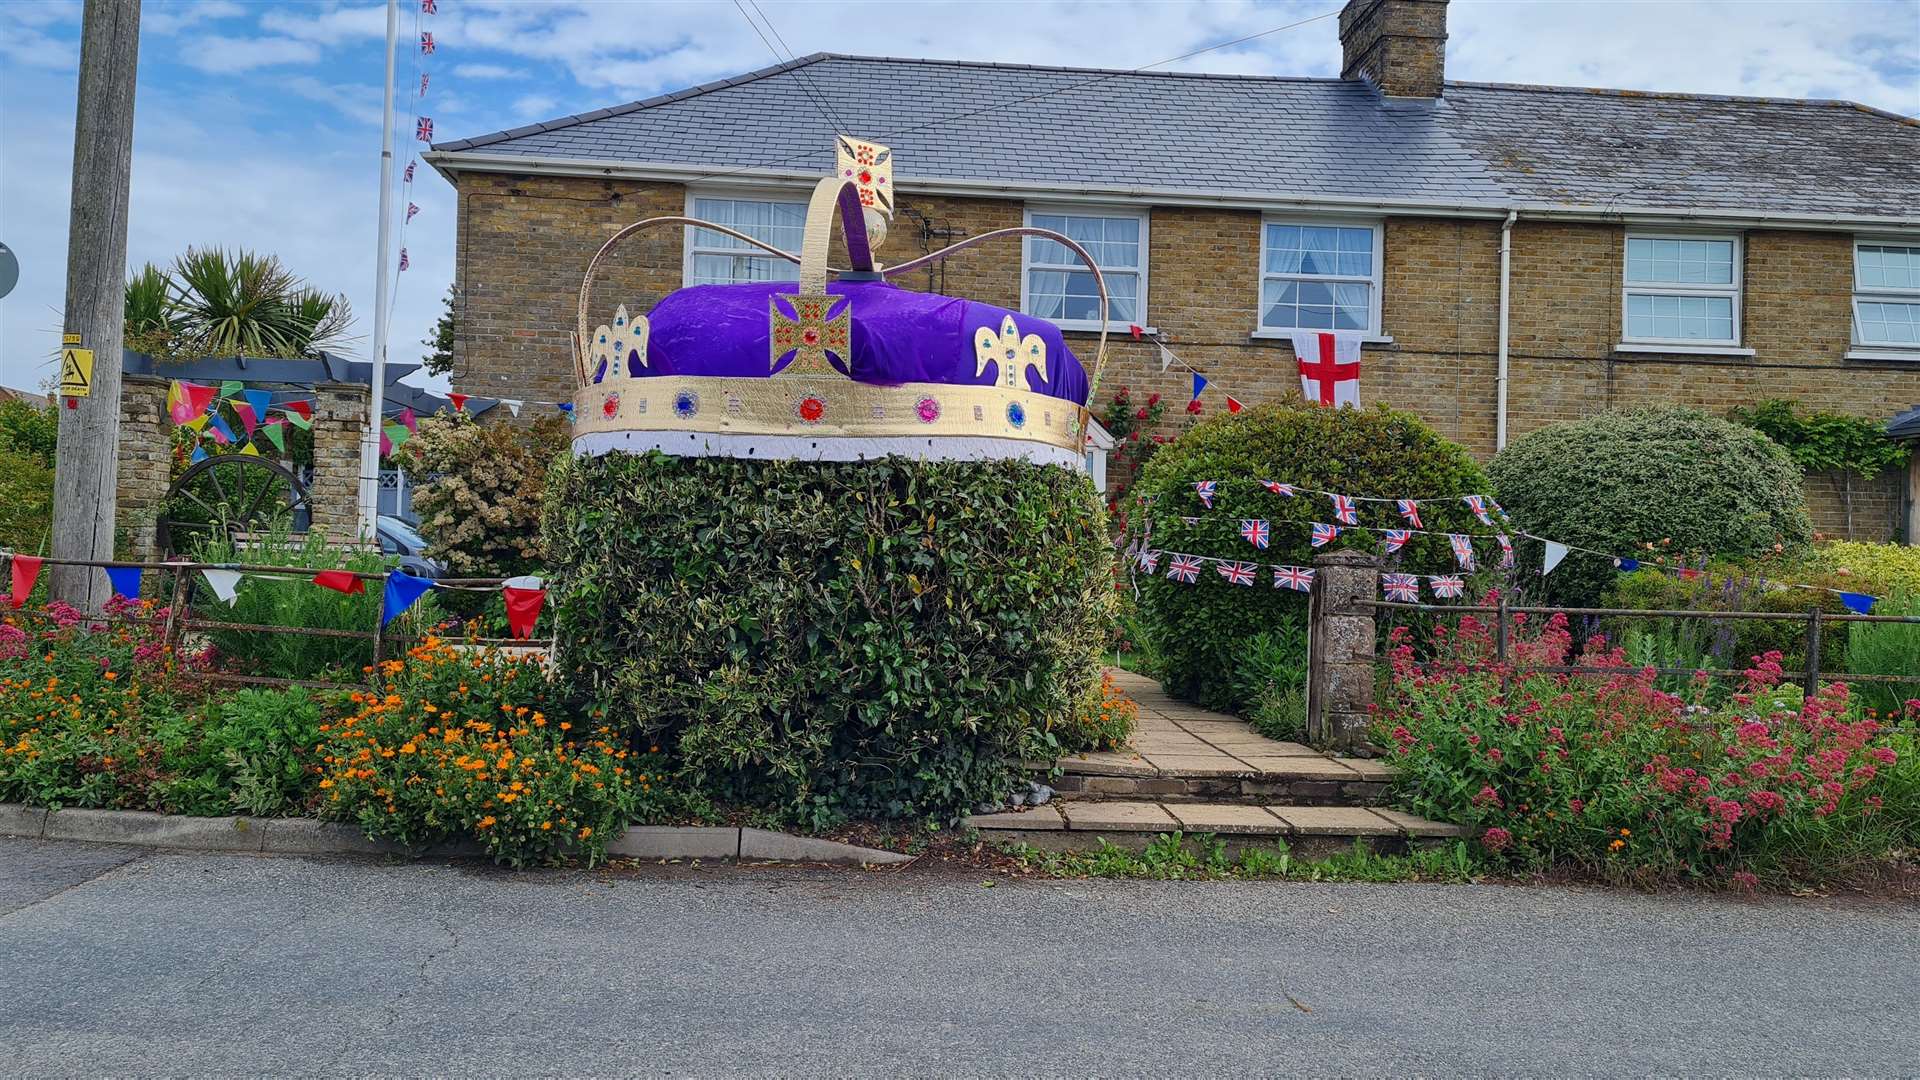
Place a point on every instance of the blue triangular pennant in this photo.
(402, 590)
(1858, 603)
(199, 454)
(126, 580)
(219, 424)
(1627, 566)
(259, 399)
(1199, 384)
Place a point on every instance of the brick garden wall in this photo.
(525, 241)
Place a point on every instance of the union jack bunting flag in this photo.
(1280, 489)
(429, 7)
(1478, 504)
(403, 258)
(1397, 539)
(1410, 509)
(1191, 520)
(1343, 510)
(426, 41)
(1323, 533)
(1297, 578)
(408, 174)
(1238, 573)
(1404, 588)
(423, 129)
(1255, 530)
(1184, 568)
(1462, 549)
(1447, 586)
(1149, 561)
(1506, 550)
(423, 84)
(1206, 490)
(412, 210)
(1495, 507)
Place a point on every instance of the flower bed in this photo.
(1612, 774)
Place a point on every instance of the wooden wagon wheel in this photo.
(225, 496)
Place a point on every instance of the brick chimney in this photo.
(1399, 46)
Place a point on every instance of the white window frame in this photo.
(1372, 332)
(688, 249)
(1733, 291)
(1143, 213)
(1865, 350)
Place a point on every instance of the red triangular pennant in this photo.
(26, 570)
(1232, 405)
(459, 402)
(523, 609)
(340, 581)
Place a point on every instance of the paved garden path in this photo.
(123, 962)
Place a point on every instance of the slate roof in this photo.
(1905, 426)
(1480, 145)
(268, 370)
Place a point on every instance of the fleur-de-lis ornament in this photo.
(614, 351)
(1011, 353)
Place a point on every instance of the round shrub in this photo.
(863, 639)
(1688, 483)
(1206, 633)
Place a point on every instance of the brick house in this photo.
(1516, 255)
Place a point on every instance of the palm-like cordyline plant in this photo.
(218, 304)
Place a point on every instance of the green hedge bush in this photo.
(1689, 483)
(1202, 631)
(865, 639)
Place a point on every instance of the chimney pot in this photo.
(1398, 46)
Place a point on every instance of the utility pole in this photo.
(86, 464)
(382, 296)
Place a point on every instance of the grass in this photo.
(1176, 857)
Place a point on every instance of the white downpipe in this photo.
(1500, 380)
(376, 405)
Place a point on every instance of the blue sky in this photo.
(257, 123)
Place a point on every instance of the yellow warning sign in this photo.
(76, 372)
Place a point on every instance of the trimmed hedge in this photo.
(866, 639)
(1202, 631)
(1688, 483)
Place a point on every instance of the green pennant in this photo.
(230, 388)
(397, 434)
(275, 436)
(299, 421)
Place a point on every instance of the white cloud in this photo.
(218, 54)
(487, 71)
(334, 25)
(174, 16)
(536, 107)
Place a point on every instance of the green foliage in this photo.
(31, 428)
(1686, 483)
(1874, 569)
(1270, 673)
(867, 639)
(242, 751)
(293, 600)
(1103, 719)
(1198, 629)
(215, 303)
(480, 504)
(26, 501)
(440, 360)
(1733, 586)
(1175, 857)
(1886, 649)
(1825, 441)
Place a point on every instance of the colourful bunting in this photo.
(409, 421)
(190, 402)
(1462, 549)
(26, 570)
(231, 388)
(125, 581)
(224, 583)
(1402, 588)
(1858, 603)
(1232, 405)
(1448, 586)
(1184, 568)
(1397, 539)
(344, 581)
(524, 597)
(1324, 534)
(1478, 504)
(1554, 554)
(247, 418)
(459, 402)
(1199, 384)
(1627, 566)
(275, 431)
(250, 450)
(222, 434)
(403, 589)
(1344, 511)
(1410, 509)
(512, 404)
(1255, 532)
(299, 413)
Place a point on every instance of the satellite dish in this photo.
(9, 270)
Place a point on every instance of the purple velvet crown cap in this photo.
(899, 336)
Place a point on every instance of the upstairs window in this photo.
(1057, 286)
(1682, 290)
(1319, 277)
(718, 259)
(1886, 295)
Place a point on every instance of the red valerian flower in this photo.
(1496, 839)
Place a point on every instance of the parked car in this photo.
(398, 538)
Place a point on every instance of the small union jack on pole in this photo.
(423, 129)
(426, 41)
(429, 7)
(412, 209)
(403, 258)
(407, 176)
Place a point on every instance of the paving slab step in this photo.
(1078, 825)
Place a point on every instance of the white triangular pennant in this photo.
(512, 404)
(225, 584)
(1166, 357)
(1555, 552)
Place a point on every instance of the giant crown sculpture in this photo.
(838, 370)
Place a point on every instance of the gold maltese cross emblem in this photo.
(809, 335)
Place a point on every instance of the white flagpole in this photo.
(370, 443)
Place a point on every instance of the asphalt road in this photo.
(117, 961)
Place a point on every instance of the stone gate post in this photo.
(1340, 666)
(339, 419)
(146, 464)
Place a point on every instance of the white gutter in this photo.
(1500, 380)
(448, 162)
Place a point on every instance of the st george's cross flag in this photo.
(1238, 573)
(1410, 509)
(1184, 568)
(1297, 578)
(1255, 531)
(1403, 588)
(1329, 366)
